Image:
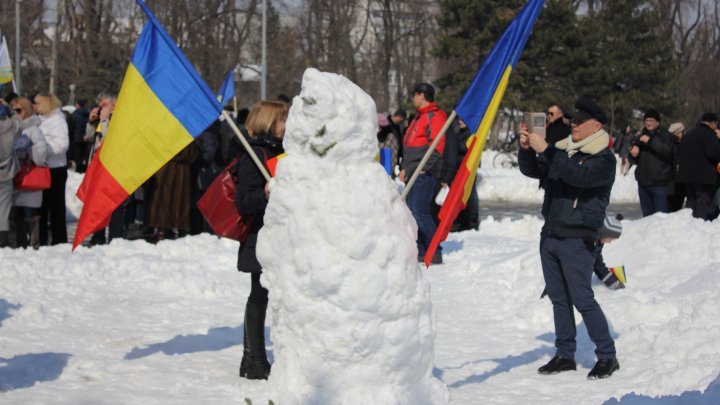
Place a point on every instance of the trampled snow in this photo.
(136, 323)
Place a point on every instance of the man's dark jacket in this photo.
(577, 188)
(654, 163)
(698, 156)
(557, 131)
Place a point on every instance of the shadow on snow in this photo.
(24, 370)
(216, 339)
(5, 308)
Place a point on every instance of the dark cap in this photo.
(709, 117)
(401, 113)
(426, 89)
(585, 110)
(652, 113)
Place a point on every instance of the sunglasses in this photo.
(578, 122)
(17, 110)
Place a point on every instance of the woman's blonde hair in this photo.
(24, 104)
(46, 103)
(264, 116)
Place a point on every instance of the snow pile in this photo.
(352, 319)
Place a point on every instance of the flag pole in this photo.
(429, 152)
(235, 110)
(246, 145)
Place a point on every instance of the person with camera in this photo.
(579, 173)
(651, 151)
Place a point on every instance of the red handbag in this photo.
(32, 178)
(217, 205)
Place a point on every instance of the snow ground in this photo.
(136, 323)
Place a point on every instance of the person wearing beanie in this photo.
(676, 189)
(581, 165)
(608, 232)
(698, 158)
(652, 153)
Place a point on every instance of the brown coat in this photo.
(172, 192)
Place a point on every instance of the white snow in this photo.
(135, 323)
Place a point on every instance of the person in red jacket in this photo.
(421, 132)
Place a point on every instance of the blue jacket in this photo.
(577, 188)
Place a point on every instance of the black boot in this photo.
(21, 232)
(4, 239)
(558, 364)
(246, 353)
(604, 368)
(258, 367)
(33, 224)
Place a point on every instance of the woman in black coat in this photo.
(266, 127)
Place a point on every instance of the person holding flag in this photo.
(578, 173)
(422, 131)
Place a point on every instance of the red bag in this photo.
(32, 178)
(217, 205)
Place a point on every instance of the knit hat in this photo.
(675, 127)
(709, 117)
(652, 113)
(611, 228)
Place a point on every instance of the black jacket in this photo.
(557, 131)
(654, 163)
(250, 196)
(577, 189)
(698, 156)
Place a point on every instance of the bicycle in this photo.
(506, 156)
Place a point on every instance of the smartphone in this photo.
(535, 122)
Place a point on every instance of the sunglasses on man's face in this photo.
(578, 122)
(17, 110)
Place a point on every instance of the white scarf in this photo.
(590, 145)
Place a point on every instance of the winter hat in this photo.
(675, 127)
(709, 117)
(652, 113)
(425, 88)
(585, 109)
(611, 228)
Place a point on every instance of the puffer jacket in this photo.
(421, 132)
(577, 188)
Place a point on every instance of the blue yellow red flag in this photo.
(478, 108)
(162, 106)
(227, 90)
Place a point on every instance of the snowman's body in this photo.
(352, 319)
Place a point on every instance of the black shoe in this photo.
(436, 259)
(558, 364)
(604, 368)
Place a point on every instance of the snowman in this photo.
(352, 316)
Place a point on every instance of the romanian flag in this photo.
(162, 106)
(478, 108)
(227, 89)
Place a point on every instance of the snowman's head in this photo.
(332, 118)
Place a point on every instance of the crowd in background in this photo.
(675, 168)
